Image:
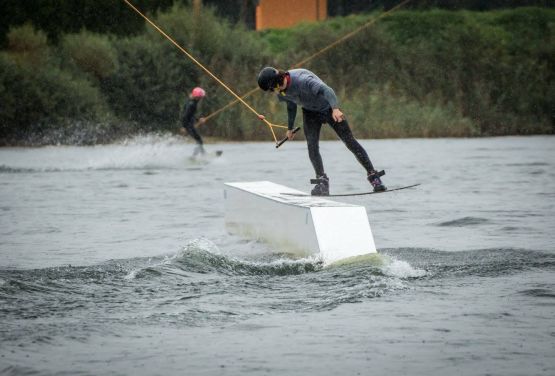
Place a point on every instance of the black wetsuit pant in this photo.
(313, 124)
(193, 133)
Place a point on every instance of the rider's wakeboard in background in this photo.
(206, 157)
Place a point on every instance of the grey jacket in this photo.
(308, 91)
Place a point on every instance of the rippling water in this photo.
(114, 260)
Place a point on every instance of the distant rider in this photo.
(188, 120)
(319, 104)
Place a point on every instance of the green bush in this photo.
(494, 69)
(149, 83)
(91, 53)
(478, 62)
(444, 73)
(36, 100)
(154, 77)
(383, 114)
(29, 45)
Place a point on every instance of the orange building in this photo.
(281, 14)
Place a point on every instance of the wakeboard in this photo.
(354, 194)
(206, 157)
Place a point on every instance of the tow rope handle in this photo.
(284, 140)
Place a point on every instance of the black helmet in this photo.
(268, 78)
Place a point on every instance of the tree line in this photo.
(415, 73)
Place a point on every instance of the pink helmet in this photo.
(198, 92)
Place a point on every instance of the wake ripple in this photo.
(465, 221)
(480, 262)
(200, 285)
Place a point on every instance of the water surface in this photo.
(114, 260)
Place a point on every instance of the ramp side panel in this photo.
(289, 228)
(342, 232)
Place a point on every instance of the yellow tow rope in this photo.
(270, 125)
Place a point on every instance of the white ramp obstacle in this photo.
(296, 223)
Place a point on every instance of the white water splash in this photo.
(132, 274)
(199, 244)
(400, 269)
(141, 152)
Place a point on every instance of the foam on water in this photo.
(400, 269)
